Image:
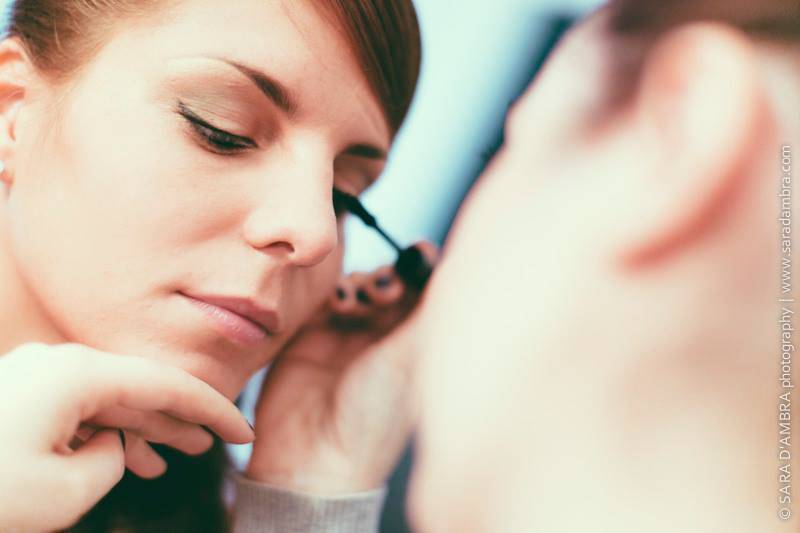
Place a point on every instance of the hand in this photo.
(333, 415)
(46, 392)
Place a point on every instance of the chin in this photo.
(218, 372)
(211, 364)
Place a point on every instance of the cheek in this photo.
(70, 246)
(89, 222)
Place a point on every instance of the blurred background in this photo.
(477, 59)
(478, 56)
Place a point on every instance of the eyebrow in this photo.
(272, 88)
(282, 97)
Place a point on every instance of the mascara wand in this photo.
(412, 267)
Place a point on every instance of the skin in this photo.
(61, 385)
(621, 372)
(112, 206)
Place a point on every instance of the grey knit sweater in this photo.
(260, 508)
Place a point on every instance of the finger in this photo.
(429, 250)
(343, 297)
(363, 303)
(141, 459)
(157, 427)
(383, 287)
(107, 380)
(397, 300)
(350, 300)
(88, 474)
(86, 431)
(82, 434)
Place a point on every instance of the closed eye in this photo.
(215, 139)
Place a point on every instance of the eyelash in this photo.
(219, 141)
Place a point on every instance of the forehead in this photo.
(287, 39)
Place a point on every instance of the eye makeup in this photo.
(218, 140)
(412, 267)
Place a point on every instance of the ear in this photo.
(702, 116)
(15, 72)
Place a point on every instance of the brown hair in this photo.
(384, 36)
(773, 19)
(60, 37)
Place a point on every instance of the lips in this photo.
(240, 319)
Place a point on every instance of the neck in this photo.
(22, 319)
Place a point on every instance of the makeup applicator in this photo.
(412, 267)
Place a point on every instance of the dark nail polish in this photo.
(363, 297)
(122, 438)
(340, 293)
(383, 281)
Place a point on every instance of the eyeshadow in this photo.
(215, 92)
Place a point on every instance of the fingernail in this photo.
(340, 293)
(383, 281)
(251, 427)
(363, 297)
(122, 438)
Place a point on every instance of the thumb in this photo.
(93, 470)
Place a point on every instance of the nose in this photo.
(296, 218)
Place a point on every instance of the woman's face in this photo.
(130, 197)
